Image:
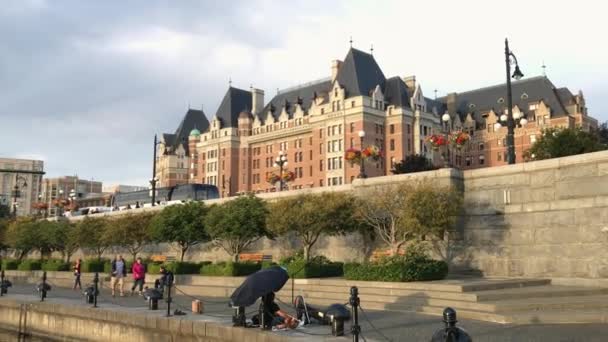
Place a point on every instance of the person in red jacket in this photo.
(139, 275)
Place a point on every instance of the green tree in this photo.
(91, 235)
(562, 142)
(382, 209)
(5, 211)
(183, 224)
(52, 237)
(132, 231)
(309, 217)
(23, 236)
(432, 212)
(413, 163)
(236, 224)
(3, 228)
(602, 133)
(71, 243)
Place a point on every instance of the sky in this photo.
(85, 85)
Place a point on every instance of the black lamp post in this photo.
(153, 181)
(281, 163)
(362, 165)
(446, 130)
(17, 191)
(517, 74)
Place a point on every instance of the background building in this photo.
(123, 188)
(28, 175)
(315, 123)
(61, 187)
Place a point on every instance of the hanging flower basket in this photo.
(288, 176)
(372, 152)
(353, 156)
(272, 178)
(436, 141)
(459, 139)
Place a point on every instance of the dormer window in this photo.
(501, 100)
(472, 105)
(524, 96)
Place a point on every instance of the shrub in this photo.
(317, 267)
(10, 264)
(29, 265)
(93, 265)
(268, 264)
(56, 265)
(230, 269)
(398, 269)
(183, 267)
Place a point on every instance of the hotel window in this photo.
(498, 156)
(409, 128)
(481, 146)
(352, 103)
(300, 155)
(320, 182)
(320, 133)
(310, 141)
(392, 162)
(339, 129)
(490, 128)
(321, 148)
(310, 154)
(321, 165)
(409, 145)
(392, 148)
(352, 142)
(392, 129)
(310, 170)
(352, 127)
(532, 139)
(322, 110)
(468, 161)
(338, 105)
(481, 160)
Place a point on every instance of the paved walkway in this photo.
(395, 326)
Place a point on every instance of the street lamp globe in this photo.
(361, 134)
(497, 126)
(284, 162)
(523, 121)
(516, 115)
(517, 74)
(503, 117)
(445, 117)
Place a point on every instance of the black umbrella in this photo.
(259, 284)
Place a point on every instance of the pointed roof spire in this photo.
(351, 41)
(544, 69)
(229, 81)
(435, 94)
(372, 50)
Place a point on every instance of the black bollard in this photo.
(450, 333)
(43, 289)
(96, 289)
(2, 288)
(354, 303)
(337, 326)
(169, 284)
(238, 317)
(152, 304)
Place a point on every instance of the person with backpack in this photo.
(119, 272)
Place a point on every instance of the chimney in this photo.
(335, 67)
(410, 81)
(451, 102)
(257, 100)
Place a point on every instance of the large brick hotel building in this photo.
(314, 123)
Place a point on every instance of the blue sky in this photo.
(84, 85)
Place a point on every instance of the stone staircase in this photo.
(500, 300)
(521, 301)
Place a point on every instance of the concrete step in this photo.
(537, 292)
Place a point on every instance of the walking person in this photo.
(77, 274)
(139, 275)
(119, 272)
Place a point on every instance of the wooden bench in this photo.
(162, 258)
(256, 257)
(387, 253)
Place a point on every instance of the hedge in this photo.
(299, 268)
(230, 269)
(404, 270)
(29, 265)
(56, 265)
(10, 264)
(92, 265)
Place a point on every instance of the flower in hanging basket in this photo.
(272, 178)
(288, 176)
(459, 139)
(40, 206)
(353, 156)
(436, 141)
(372, 152)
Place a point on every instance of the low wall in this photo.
(61, 322)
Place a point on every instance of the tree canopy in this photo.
(91, 235)
(236, 224)
(562, 142)
(183, 224)
(310, 216)
(413, 163)
(130, 231)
